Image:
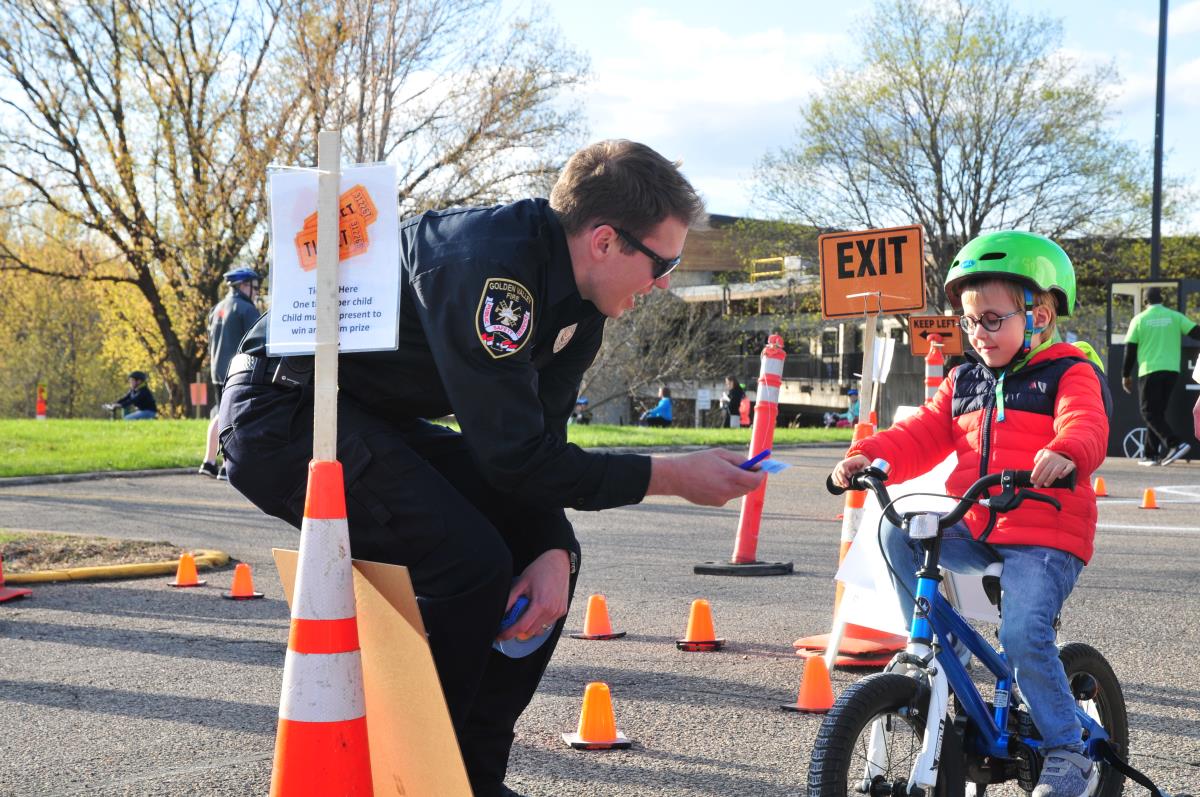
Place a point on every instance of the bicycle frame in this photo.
(933, 619)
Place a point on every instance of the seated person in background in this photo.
(847, 418)
(580, 415)
(660, 413)
(139, 397)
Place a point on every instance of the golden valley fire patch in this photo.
(504, 319)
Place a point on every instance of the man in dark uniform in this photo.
(502, 310)
(228, 322)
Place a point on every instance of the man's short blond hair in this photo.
(625, 184)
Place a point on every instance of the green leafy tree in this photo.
(969, 118)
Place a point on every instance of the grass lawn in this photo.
(29, 447)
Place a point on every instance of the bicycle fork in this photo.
(917, 659)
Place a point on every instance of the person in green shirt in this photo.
(1153, 343)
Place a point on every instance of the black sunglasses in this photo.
(662, 266)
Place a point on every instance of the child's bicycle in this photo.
(921, 727)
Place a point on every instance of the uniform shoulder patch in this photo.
(504, 319)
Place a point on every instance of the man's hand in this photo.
(1127, 383)
(1049, 466)
(847, 468)
(546, 583)
(708, 478)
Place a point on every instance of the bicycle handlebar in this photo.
(873, 477)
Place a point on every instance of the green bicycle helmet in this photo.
(1034, 260)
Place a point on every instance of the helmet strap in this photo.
(1030, 329)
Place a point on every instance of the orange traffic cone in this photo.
(8, 593)
(1101, 489)
(1148, 501)
(597, 725)
(816, 692)
(321, 739)
(243, 585)
(700, 632)
(185, 574)
(596, 624)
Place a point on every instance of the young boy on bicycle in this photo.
(1025, 401)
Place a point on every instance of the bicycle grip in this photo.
(833, 488)
(1067, 482)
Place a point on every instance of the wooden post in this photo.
(325, 365)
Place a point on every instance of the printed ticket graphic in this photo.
(356, 212)
(368, 267)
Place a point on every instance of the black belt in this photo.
(255, 370)
(287, 372)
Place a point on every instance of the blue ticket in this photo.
(772, 466)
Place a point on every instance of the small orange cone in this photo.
(1101, 488)
(8, 593)
(185, 574)
(243, 585)
(597, 725)
(596, 624)
(1148, 501)
(816, 692)
(700, 632)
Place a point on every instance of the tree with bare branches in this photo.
(662, 339)
(149, 124)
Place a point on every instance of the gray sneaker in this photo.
(1067, 774)
(1176, 452)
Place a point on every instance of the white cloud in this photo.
(716, 99)
(1183, 20)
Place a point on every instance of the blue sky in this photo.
(718, 84)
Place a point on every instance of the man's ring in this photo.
(547, 626)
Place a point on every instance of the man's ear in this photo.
(602, 241)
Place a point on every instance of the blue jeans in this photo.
(141, 415)
(1036, 582)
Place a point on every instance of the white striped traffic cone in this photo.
(321, 743)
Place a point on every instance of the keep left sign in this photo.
(368, 260)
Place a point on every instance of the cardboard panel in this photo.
(413, 747)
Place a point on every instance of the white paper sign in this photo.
(368, 267)
(703, 398)
(885, 350)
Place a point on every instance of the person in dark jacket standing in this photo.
(731, 402)
(139, 397)
(1152, 344)
(502, 309)
(228, 322)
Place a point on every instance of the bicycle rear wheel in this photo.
(1098, 692)
(887, 706)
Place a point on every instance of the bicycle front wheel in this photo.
(870, 739)
(1098, 693)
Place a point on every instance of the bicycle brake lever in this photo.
(1045, 499)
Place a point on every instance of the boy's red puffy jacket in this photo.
(1058, 400)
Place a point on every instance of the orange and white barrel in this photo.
(935, 367)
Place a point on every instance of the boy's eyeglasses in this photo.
(662, 266)
(989, 321)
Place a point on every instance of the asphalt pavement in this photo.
(130, 687)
